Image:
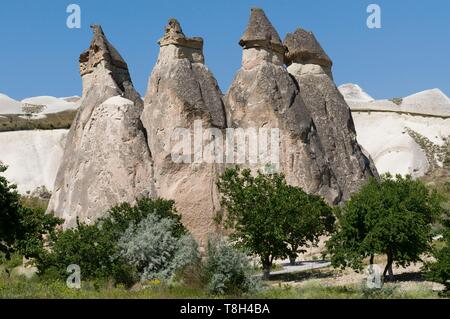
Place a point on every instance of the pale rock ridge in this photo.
(9, 105)
(264, 95)
(106, 160)
(182, 90)
(32, 157)
(353, 92)
(395, 134)
(311, 67)
(46, 104)
(432, 103)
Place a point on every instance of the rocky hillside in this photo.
(40, 112)
(409, 135)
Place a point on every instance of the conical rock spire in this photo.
(182, 91)
(263, 95)
(311, 68)
(106, 160)
(100, 50)
(303, 47)
(261, 33)
(174, 35)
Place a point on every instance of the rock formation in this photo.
(311, 67)
(172, 145)
(409, 137)
(182, 91)
(106, 160)
(264, 94)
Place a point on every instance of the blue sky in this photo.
(410, 53)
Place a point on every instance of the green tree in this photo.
(22, 229)
(269, 218)
(307, 218)
(439, 271)
(391, 217)
(10, 209)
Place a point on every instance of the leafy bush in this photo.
(22, 230)
(119, 218)
(153, 248)
(89, 247)
(440, 270)
(95, 247)
(227, 270)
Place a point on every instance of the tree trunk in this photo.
(293, 254)
(391, 273)
(371, 259)
(292, 260)
(266, 263)
(388, 268)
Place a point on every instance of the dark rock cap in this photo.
(302, 46)
(261, 33)
(100, 50)
(174, 35)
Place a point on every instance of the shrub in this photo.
(119, 218)
(22, 230)
(88, 247)
(153, 248)
(440, 270)
(227, 270)
(95, 247)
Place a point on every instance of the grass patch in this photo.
(35, 202)
(15, 122)
(316, 290)
(13, 287)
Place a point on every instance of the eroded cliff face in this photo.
(106, 160)
(182, 92)
(264, 95)
(311, 67)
